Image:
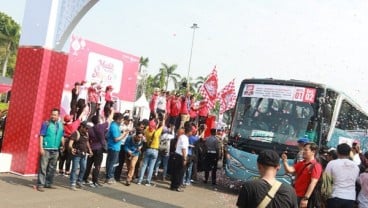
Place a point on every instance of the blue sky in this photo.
(314, 40)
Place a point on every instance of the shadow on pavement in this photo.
(18, 181)
(112, 192)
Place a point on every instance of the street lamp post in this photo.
(194, 27)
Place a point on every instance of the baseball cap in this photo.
(268, 158)
(67, 118)
(303, 140)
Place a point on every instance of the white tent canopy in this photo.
(141, 108)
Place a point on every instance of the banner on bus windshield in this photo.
(280, 92)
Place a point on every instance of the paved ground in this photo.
(18, 191)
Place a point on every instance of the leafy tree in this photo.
(9, 39)
(151, 83)
(183, 85)
(143, 62)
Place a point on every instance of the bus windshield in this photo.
(274, 114)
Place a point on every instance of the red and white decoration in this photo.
(209, 89)
(227, 97)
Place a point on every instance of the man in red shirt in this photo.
(307, 173)
(185, 109)
(175, 106)
(202, 112)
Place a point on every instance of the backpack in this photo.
(316, 200)
(326, 186)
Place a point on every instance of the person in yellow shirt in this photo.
(152, 134)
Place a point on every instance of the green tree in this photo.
(9, 39)
(183, 85)
(165, 74)
(143, 62)
(151, 83)
(199, 82)
(170, 74)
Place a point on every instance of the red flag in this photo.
(227, 97)
(209, 89)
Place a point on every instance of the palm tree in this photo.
(160, 78)
(9, 38)
(170, 75)
(199, 82)
(143, 62)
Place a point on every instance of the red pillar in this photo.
(37, 88)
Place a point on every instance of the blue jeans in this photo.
(149, 159)
(47, 168)
(79, 161)
(165, 160)
(188, 173)
(111, 161)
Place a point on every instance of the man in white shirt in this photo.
(180, 159)
(161, 103)
(344, 173)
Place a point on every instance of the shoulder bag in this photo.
(270, 195)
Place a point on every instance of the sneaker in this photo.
(73, 188)
(50, 187)
(92, 185)
(148, 184)
(179, 190)
(86, 182)
(40, 189)
(111, 181)
(97, 184)
(139, 183)
(80, 185)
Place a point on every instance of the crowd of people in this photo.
(170, 145)
(337, 178)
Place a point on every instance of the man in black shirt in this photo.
(253, 192)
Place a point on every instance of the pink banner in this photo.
(92, 62)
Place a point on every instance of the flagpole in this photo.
(194, 27)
